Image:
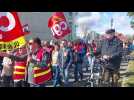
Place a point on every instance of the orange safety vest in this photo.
(41, 74)
(19, 70)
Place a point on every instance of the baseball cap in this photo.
(110, 31)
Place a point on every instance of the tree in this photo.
(131, 14)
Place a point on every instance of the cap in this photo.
(110, 31)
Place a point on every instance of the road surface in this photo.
(83, 83)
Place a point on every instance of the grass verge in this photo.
(129, 79)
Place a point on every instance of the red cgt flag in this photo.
(11, 33)
(58, 25)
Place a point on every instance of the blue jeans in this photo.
(91, 61)
(65, 75)
(78, 71)
(56, 76)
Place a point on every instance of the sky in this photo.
(100, 21)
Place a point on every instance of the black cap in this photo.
(109, 31)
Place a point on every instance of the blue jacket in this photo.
(78, 57)
(131, 47)
(65, 61)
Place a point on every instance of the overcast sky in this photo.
(100, 21)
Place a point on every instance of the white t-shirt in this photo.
(54, 57)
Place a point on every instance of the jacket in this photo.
(113, 48)
(65, 57)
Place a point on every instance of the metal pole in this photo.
(112, 23)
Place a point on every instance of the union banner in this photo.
(11, 33)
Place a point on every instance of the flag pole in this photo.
(112, 23)
(27, 64)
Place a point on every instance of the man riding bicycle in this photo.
(111, 50)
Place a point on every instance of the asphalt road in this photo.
(83, 83)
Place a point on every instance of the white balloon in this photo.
(11, 19)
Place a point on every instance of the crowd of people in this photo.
(18, 66)
(58, 55)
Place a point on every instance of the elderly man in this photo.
(111, 50)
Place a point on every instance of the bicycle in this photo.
(94, 79)
(108, 81)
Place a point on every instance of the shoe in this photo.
(81, 78)
(75, 81)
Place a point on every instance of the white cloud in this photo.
(89, 18)
(94, 21)
(121, 23)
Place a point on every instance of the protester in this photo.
(94, 46)
(125, 51)
(70, 48)
(37, 62)
(20, 67)
(90, 55)
(7, 72)
(48, 48)
(78, 61)
(83, 54)
(55, 66)
(19, 58)
(111, 49)
(65, 58)
(1, 66)
(38, 58)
